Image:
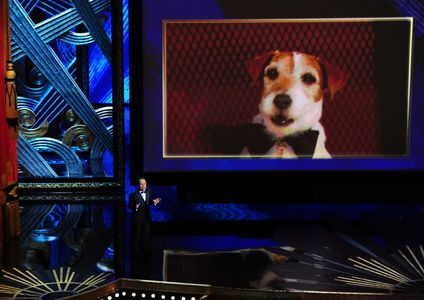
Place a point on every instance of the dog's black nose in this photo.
(282, 101)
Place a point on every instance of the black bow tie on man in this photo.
(258, 141)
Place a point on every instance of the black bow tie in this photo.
(142, 192)
(258, 140)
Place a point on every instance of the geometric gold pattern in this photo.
(61, 283)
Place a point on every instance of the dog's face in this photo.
(294, 85)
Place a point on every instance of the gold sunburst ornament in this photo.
(25, 284)
(403, 273)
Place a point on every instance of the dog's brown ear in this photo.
(256, 65)
(333, 78)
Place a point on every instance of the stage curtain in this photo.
(8, 132)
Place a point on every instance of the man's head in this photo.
(142, 184)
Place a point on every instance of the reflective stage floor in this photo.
(74, 246)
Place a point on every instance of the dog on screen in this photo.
(294, 86)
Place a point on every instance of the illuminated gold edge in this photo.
(330, 20)
(297, 157)
(408, 121)
(111, 184)
(164, 94)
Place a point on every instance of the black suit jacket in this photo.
(142, 214)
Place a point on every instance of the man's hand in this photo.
(156, 201)
(137, 205)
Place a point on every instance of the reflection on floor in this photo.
(71, 247)
(312, 256)
(61, 245)
(54, 235)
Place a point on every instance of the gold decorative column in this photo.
(9, 204)
(11, 100)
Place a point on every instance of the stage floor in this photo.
(64, 242)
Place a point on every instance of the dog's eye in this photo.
(272, 73)
(308, 78)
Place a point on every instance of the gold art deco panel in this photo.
(62, 53)
(12, 224)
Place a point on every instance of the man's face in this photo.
(142, 184)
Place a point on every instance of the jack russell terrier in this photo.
(294, 86)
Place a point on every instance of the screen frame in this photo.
(315, 185)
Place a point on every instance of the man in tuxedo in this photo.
(139, 202)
